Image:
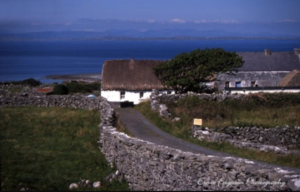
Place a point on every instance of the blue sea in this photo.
(21, 60)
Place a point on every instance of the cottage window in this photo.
(122, 95)
(238, 84)
(227, 84)
(141, 94)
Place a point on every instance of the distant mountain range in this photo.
(135, 34)
(131, 29)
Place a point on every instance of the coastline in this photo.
(89, 78)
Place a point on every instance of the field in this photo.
(50, 148)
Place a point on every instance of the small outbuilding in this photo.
(130, 80)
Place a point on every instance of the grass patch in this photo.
(182, 128)
(50, 148)
(255, 110)
(15, 89)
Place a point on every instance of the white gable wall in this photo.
(131, 96)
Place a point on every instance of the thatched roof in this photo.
(277, 61)
(130, 75)
(292, 79)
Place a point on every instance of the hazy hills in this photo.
(135, 34)
(123, 29)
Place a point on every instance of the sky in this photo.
(68, 12)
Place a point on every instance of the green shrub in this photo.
(75, 87)
(30, 82)
(60, 90)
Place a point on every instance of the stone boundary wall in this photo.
(147, 166)
(273, 139)
(279, 139)
(30, 98)
(157, 100)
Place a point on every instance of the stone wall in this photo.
(147, 166)
(30, 98)
(278, 139)
(157, 100)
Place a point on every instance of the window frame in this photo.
(122, 95)
(238, 84)
(227, 84)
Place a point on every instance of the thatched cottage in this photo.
(261, 70)
(130, 80)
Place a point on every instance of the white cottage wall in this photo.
(131, 96)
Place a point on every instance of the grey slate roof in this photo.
(277, 61)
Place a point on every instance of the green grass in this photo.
(15, 90)
(182, 128)
(255, 110)
(50, 148)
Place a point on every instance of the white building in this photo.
(130, 80)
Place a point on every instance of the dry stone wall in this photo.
(147, 166)
(278, 139)
(31, 98)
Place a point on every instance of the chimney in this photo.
(267, 52)
(131, 64)
(131, 60)
(297, 51)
